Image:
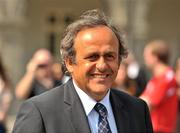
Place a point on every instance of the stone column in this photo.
(137, 25)
(116, 10)
(12, 24)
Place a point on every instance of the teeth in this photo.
(100, 76)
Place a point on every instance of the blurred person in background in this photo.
(177, 72)
(123, 82)
(5, 97)
(38, 77)
(131, 77)
(137, 74)
(57, 73)
(160, 92)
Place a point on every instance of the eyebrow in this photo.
(97, 53)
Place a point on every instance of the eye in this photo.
(109, 57)
(93, 57)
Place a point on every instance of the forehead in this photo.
(43, 57)
(96, 36)
(148, 49)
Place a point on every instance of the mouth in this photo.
(100, 76)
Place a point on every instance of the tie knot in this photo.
(101, 109)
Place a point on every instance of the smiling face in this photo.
(97, 60)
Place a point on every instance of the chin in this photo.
(102, 88)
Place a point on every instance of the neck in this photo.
(159, 69)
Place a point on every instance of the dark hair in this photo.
(88, 19)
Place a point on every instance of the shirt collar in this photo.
(91, 102)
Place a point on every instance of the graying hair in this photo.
(88, 19)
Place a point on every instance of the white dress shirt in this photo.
(93, 116)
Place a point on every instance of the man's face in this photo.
(149, 58)
(43, 60)
(44, 71)
(97, 60)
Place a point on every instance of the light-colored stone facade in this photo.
(26, 25)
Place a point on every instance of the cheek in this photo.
(115, 67)
(82, 71)
(146, 58)
(89, 67)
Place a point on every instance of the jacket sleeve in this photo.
(29, 119)
(148, 122)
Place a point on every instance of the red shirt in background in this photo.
(161, 94)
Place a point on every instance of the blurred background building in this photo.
(26, 25)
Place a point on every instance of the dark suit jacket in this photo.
(60, 111)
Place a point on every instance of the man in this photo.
(123, 82)
(91, 49)
(177, 74)
(160, 93)
(38, 77)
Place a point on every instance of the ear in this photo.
(69, 65)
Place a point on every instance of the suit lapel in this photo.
(120, 113)
(74, 109)
(76, 115)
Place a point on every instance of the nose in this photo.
(101, 64)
